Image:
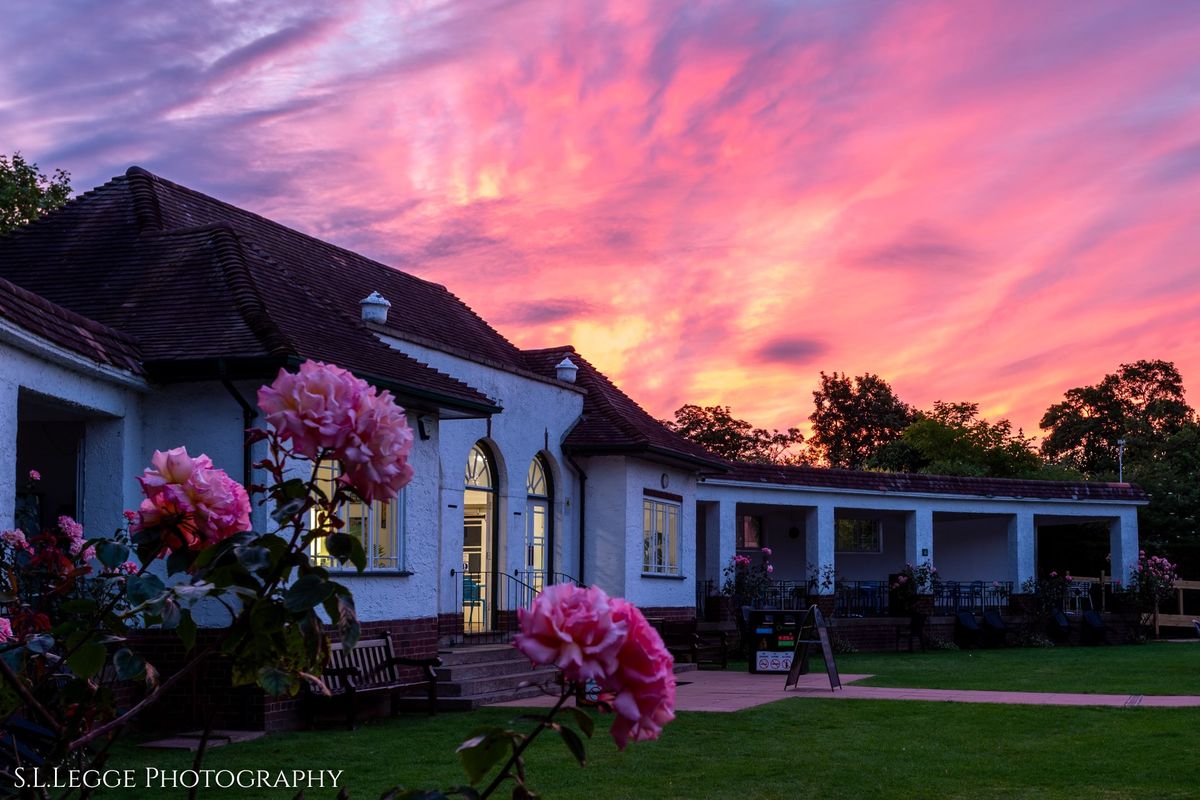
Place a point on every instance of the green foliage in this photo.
(853, 418)
(1142, 403)
(953, 440)
(717, 430)
(26, 193)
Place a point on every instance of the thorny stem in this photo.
(528, 740)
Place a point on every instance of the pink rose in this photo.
(770, 568)
(130, 516)
(15, 538)
(1053, 574)
(34, 475)
(323, 409)
(313, 407)
(198, 503)
(6, 631)
(766, 551)
(572, 628)
(375, 455)
(129, 568)
(643, 684)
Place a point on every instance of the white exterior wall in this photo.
(972, 550)
(537, 416)
(607, 523)
(658, 591)
(111, 401)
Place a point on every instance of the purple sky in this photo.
(713, 201)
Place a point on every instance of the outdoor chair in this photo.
(995, 632)
(966, 630)
(1094, 630)
(914, 630)
(1196, 624)
(1058, 627)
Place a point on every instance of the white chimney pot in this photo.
(375, 308)
(566, 370)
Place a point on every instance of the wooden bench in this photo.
(370, 668)
(686, 643)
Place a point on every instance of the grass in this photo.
(1131, 669)
(792, 748)
(823, 747)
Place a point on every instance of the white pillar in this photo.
(1123, 544)
(918, 536)
(724, 534)
(818, 543)
(8, 454)
(1022, 549)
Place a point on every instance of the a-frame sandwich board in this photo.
(813, 630)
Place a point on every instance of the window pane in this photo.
(673, 539)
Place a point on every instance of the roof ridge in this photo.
(231, 258)
(333, 310)
(146, 208)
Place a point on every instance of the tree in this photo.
(716, 429)
(1142, 403)
(26, 193)
(854, 418)
(953, 440)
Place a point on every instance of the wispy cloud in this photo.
(981, 200)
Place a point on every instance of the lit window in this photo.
(859, 536)
(660, 534)
(378, 525)
(749, 535)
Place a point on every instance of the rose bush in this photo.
(70, 604)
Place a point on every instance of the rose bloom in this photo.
(375, 456)
(323, 409)
(313, 407)
(195, 502)
(643, 683)
(572, 628)
(15, 538)
(6, 631)
(34, 475)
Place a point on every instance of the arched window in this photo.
(539, 528)
(479, 532)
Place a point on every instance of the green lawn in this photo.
(820, 747)
(1131, 669)
(792, 748)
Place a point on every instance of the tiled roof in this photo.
(193, 279)
(69, 330)
(917, 483)
(614, 423)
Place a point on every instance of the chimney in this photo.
(566, 370)
(375, 308)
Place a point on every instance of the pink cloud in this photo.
(985, 201)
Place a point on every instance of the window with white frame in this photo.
(378, 525)
(660, 531)
(858, 536)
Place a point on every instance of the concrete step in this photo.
(497, 683)
(456, 656)
(482, 669)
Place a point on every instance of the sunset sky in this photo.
(988, 201)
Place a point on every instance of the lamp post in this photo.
(1120, 460)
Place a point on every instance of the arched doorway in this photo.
(539, 525)
(479, 539)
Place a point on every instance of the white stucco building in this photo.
(144, 315)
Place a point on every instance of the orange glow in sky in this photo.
(987, 201)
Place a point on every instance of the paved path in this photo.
(727, 691)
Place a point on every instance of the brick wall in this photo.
(208, 689)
